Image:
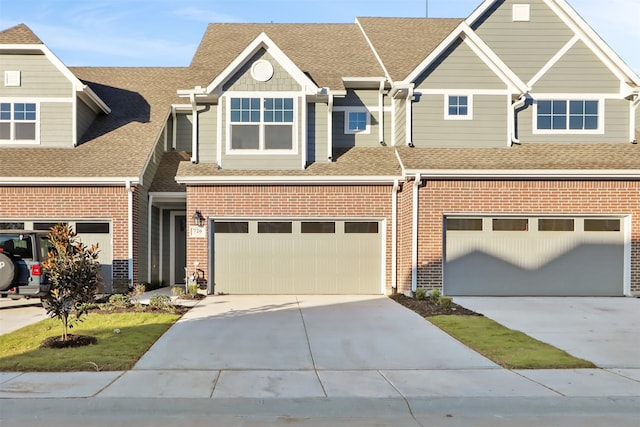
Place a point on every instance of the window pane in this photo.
(235, 116)
(16, 246)
(93, 227)
(510, 224)
(5, 111)
(245, 137)
(278, 137)
(268, 103)
(591, 123)
(5, 130)
(11, 225)
(464, 224)
(576, 107)
(576, 122)
(255, 104)
(462, 101)
(559, 107)
(462, 111)
(601, 225)
(268, 116)
(544, 122)
(591, 107)
(559, 122)
(274, 227)
(544, 107)
(361, 227)
(46, 226)
(357, 120)
(555, 224)
(318, 227)
(288, 103)
(235, 227)
(235, 103)
(25, 131)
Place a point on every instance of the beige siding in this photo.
(524, 46)
(243, 81)
(39, 78)
(616, 126)
(579, 70)
(345, 140)
(358, 98)
(56, 124)
(184, 132)
(85, 116)
(459, 68)
(207, 132)
(317, 133)
(488, 128)
(637, 122)
(401, 121)
(388, 119)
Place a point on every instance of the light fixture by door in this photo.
(198, 219)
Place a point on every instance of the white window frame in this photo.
(357, 110)
(468, 116)
(567, 98)
(12, 122)
(261, 141)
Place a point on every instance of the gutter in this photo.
(532, 173)
(194, 128)
(130, 232)
(520, 102)
(394, 234)
(52, 181)
(414, 234)
(286, 180)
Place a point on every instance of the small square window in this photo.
(458, 107)
(356, 122)
(521, 13)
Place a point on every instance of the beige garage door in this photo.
(297, 257)
(537, 256)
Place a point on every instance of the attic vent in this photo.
(12, 78)
(262, 70)
(521, 13)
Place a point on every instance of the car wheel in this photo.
(7, 271)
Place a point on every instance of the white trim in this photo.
(627, 224)
(393, 122)
(414, 233)
(161, 246)
(194, 129)
(468, 116)
(394, 234)
(373, 49)
(553, 61)
(28, 180)
(219, 141)
(12, 124)
(408, 117)
(381, 111)
(347, 112)
(382, 231)
(36, 99)
(630, 174)
(490, 92)
(172, 244)
(568, 131)
(149, 231)
(130, 232)
(288, 180)
(330, 127)
(303, 138)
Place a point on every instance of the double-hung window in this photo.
(262, 123)
(568, 116)
(18, 121)
(458, 107)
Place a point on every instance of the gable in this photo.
(525, 47)
(247, 80)
(38, 77)
(578, 71)
(459, 68)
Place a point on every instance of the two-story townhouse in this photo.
(489, 156)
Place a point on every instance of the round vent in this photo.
(262, 70)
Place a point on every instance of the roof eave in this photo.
(525, 173)
(291, 180)
(54, 181)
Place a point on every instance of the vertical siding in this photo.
(56, 124)
(39, 78)
(401, 121)
(141, 230)
(317, 132)
(155, 244)
(540, 39)
(579, 70)
(459, 68)
(85, 116)
(184, 132)
(616, 126)
(243, 81)
(207, 132)
(488, 128)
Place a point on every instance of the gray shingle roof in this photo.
(325, 52)
(19, 34)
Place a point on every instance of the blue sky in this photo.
(167, 32)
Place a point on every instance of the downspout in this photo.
(130, 231)
(381, 113)
(394, 234)
(414, 235)
(520, 102)
(194, 128)
(149, 221)
(409, 117)
(330, 127)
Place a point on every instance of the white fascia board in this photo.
(363, 82)
(524, 173)
(481, 49)
(84, 181)
(264, 41)
(291, 180)
(480, 10)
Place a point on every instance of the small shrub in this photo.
(421, 294)
(192, 289)
(434, 296)
(119, 301)
(162, 302)
(177, 291)
(445, 302)
(136, 293)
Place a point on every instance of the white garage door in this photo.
(555, 256)
(297, 257)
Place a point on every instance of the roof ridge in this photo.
(19, 34)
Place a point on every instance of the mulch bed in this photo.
(426, 307)
(71, 341)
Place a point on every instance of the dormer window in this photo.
(261, 124)
(18, 121)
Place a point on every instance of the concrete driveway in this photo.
(19, 313)
(601, 330)
(283, 332)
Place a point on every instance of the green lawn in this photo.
(19, 350)
(509, 349)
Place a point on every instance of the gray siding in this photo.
(207, 132)
(142, 225)
(540, 39)
(243, 81)
(155, 244)
(401, 121)
(616, 126)
(489, 127)
(184, 132)
(459, 68)
(85, 116)
(317, 133)
(56, 124)
(166, 250)
(579, 70)
(358, 98)
(388, 120)
(344, 140)
(39, 78)
(637, 122)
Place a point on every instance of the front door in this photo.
(178, 247)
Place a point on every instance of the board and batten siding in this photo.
(317, 133)
(280, 81)
(459, 68)
(616, 126)
(85, 116)
(578, 71)
(525, 47)
(207, 132)
(39, 78)
(489, 127)
(56, 124)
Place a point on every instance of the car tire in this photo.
(7, 271)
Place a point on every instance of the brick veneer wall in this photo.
(75, 202)
(282, 201)
(438, 197)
